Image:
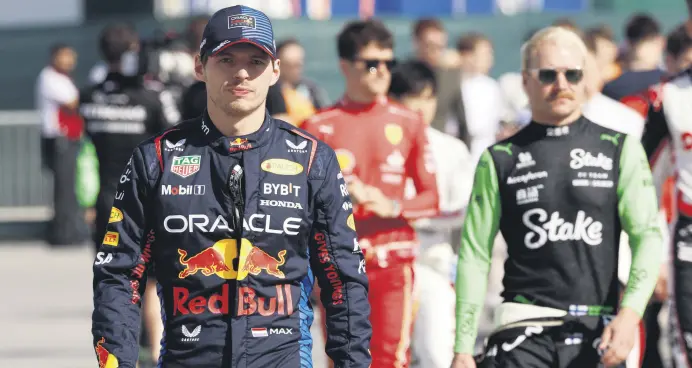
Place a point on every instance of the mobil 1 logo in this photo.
(183, 190)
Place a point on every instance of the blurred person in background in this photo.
(552, 315)
(430, 43)
(129, 64)
(380, 143)
(231, 150)
(57, 101)
(119, 113)
(194, 98)
(483, 99)
(615, 115)
(602, 109)
(413, 84)
(642, 60)
(294, 98)
(602, 40)
(172, 62)
(517, 113)
(569, 24)
(678, 51)
(669, 125)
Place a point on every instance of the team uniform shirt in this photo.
(614, 115)
(560, 197)
(669, 112)
(631, 82)
(54, 89)
(433, 332)
(485, 107)
(382, 144)
(669, 109)
(236, 229)
(454, 173)
(120, 113)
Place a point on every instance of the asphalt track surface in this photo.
(46, 304)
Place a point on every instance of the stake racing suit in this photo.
(236, 229)
(669, 117)
(560, 196)
(382, 144)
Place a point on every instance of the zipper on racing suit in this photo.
(235, 186)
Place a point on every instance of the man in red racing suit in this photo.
(378, 145)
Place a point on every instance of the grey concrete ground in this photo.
(45, 308)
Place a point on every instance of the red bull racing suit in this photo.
(670, 118)
(382, 144)
(236, 230)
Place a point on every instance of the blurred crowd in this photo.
(472, 110)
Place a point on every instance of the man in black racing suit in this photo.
(119, 113)
(560, 191)
(238, 220)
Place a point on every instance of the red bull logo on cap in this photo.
(219, 260)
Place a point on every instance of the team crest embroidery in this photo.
(393, 133)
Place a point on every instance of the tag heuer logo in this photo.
(185, 166)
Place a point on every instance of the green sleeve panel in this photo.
(480, 227)
(638, 210)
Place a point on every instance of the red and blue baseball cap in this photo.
(238, 24)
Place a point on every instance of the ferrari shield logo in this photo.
(346, 160)
(185, 166)
(393, 133)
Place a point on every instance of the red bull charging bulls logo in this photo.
(219, 260)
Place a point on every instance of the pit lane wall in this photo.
(25, 197)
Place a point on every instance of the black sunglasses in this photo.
(375, 63)
(549, 76)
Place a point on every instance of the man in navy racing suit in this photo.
(238, 218)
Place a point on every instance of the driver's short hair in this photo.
(678, 42)
(357, 35)
(411, 78)
(556, 35)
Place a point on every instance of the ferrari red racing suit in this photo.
(382, 144)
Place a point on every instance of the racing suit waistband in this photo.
(510, 315)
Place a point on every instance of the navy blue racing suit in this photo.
(236, 229)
